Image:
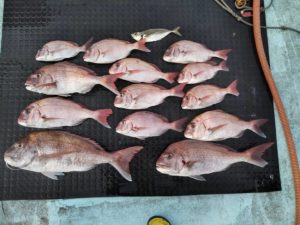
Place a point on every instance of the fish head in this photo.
(91, 55)
(123, 100)
(29, 116)
(172, 54)
(117, 67)
(124, 127)
(189, 102)
(38, 79)
(170, 162)
(137, 36)
(194, 130)
(43, 54)
(184, 77)
(21, 154)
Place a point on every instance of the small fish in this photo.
(217, 125)
(139, 71)
(154, 34)
(146, 124)
(52, 153)
(59, 50)
(111, 50)
(143, 96)
(59, 112)
(203, 96)
(189, 52)
(191, 158)
(66, 78)
(199, 72)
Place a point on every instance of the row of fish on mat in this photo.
(54, 152)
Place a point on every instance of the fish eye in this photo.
(170, 156)
(19, 145)
(38, 75)
(27, 111)
(193, 125)
(35, 151)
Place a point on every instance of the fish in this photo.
(203, 96)
(143, 96)
(217, 125)
(138, 71)
(185, 51)
(144, 124)
(53, 153)
(193, 158)
(65, 78)
(152, 35)
(111, 50)
(58, 112)
(60, 50)
(199, 72)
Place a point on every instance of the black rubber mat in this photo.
(29, 26)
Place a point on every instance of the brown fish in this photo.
(191, 158)
(217, 125)
(66, 78)
(185, 51)
(146, 124)
(203, 96)
(199, 72)
(54, 152)
(59, 50)
(59, 112)
(143, 96)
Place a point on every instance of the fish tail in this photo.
(255, 126)
(253, 155)
(122, 158)
(170, 77)
(223, 54)
(102, 115)
(222, 66)
(179, 125)
(108, 81)
(87, 45)
(176, 31)
(141, 45)
(232, 88)
(178, 90)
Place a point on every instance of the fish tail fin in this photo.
(87, 45)
(178, 90)
(108, 81)
(222, 66)
(179, 125)
(232, 88)
(176, 31)
(255, 126)
(253, 155)
(170, 77)
(122, 158)
(101, 115)
(223, 54)
(141, 45)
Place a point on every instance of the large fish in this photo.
(203, 96)
(189, 52)
(139, 71)
(199, 72)
(59, 112)
(146, 124)
(154, 34)
(111, 50)
(217, 125)
(65, 78)
(54, 152)
(191, 158)
(143, 96)
(59, 50)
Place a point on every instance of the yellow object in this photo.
(240, 4)
(158, 221)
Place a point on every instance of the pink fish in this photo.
(217, 125)
(189, 52)
(59, 112)
(143, 96)
(146, 124)
(199, 72)
(203, 96)
(139, 71)
(111, 50)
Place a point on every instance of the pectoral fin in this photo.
(53, 84)
(49, 119)
(202, 99)
(213, 129)
(135, 129)
(53, 175)
(198, 177)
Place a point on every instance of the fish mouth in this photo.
(188, 134)
(22, 121)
